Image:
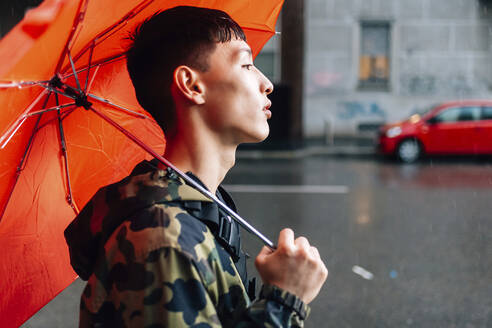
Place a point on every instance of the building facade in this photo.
(374, 61)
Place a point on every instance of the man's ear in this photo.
(188, 84)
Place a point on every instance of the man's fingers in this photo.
(294, 266)
(263, 256)
(286, 238)
(315, 252)
(302, 242)
(265, 251)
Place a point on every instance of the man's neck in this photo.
(205, 157)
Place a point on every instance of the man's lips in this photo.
(267, 111)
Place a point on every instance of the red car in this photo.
(458, 127)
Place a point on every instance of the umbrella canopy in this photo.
(64, 57)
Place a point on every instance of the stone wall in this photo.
(439, 50)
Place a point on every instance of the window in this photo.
(486, 113)
(374, 56)
(458, 114)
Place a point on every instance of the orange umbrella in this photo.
(62, 61)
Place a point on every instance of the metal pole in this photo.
(248, 227)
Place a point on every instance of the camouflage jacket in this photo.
(150, 263)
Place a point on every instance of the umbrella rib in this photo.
(76, 21)
(117, 106)
(57, 108)
(64, 115)
(5, 138)
(74, 71)
(92, 79)
(63, 147)
(80, 25)
(27, 151)
(135, 11)
(115, 29)
(19, 124)
(104, 61)
(248, 227)
(20, 85)
(88, 67)
(50, 88)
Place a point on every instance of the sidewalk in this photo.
(342, 147)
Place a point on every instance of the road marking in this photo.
(362, 272)
(300, 189)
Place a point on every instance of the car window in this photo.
(486, 113)
(458, 114)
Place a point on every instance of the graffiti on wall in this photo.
(351, 110)
(427, 85)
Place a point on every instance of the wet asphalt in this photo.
(405, 245)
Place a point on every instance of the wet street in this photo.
(423, 232)
(405, 245)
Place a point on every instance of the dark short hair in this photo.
(178, 36)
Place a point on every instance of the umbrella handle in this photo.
(243, 223)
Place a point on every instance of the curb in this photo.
(345, 151)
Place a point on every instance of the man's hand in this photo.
(294, 266)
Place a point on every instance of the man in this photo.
(155, 251)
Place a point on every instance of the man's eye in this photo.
(248, 66)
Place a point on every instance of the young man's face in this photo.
(236, 103)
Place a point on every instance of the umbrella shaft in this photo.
(248, 227)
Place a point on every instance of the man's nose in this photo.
(266, 84)
(269, 88)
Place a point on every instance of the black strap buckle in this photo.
(226, 236)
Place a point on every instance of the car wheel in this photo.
(409, 150)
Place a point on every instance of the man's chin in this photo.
(256, 138)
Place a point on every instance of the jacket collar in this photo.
(148, 172)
